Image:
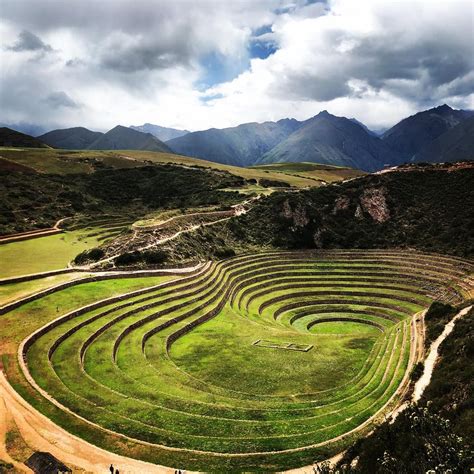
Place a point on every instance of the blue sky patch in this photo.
(219, 68)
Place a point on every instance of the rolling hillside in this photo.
(12, 138)
(318, 172)
(77, 138)
(332, 140)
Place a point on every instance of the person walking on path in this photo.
(111, 469)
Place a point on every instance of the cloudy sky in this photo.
(201, 64)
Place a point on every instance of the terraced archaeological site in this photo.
(260, 362)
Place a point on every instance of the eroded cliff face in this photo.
(374, 202)
(297, 215)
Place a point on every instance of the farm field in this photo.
(54, 252)
(318, 172)
(259, 362)
(49, 160)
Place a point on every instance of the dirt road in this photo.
(41, 434)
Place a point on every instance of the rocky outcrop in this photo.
(297, 215)
(373, 202)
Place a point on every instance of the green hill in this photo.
(426, 207)
(77, 138)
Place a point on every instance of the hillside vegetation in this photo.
(428, 208)
(36, 200)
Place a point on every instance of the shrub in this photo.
(417, 371)
(224, 252)
(94, 255)
(271, 183)
(154, 257)
(128, 258)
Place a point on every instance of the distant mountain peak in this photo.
(162, 133)
(409, 136)
(324, 113)
(125, 138)
(442, 108)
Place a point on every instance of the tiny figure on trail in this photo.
(111, 469)
(57, 309)
(117, 471)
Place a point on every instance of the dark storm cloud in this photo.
(60, 99)
(378, 60)
(144, 55)
(306, 86)
(28, 41)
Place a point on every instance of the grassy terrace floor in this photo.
(54, 252)
(175, 373)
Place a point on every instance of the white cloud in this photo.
(375, 60)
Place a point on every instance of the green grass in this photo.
(42, 254)
(314, 171)
(15, 291)
(177, 366)
(50, 160)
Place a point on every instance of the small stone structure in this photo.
(46, 463)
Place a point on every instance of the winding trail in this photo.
(238, 209)
(432, 358)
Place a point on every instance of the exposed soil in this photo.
(41, 434)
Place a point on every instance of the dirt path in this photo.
(41, 434)
(238, 209)
(430, 361)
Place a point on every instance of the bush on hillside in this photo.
(93, 255)
(224, 252)
(148, 257)
(436, 318)
(271, 183)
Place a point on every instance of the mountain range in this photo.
(328, 139)
(240, 146)
(435, 135)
